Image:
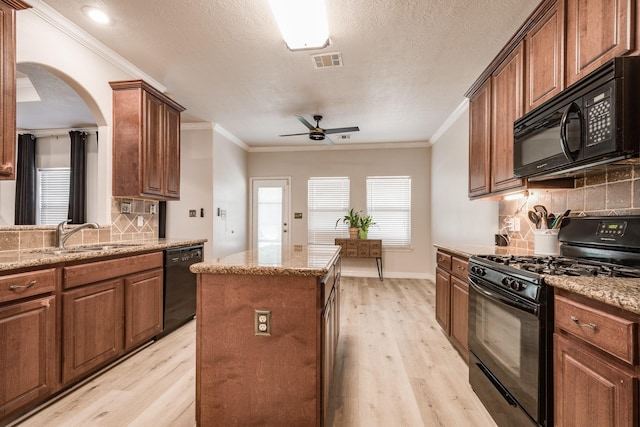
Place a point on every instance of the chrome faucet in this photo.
(62, 236)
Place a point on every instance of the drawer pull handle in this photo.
(27, 286)
(440, 259)
(460, 268)
(582, 325)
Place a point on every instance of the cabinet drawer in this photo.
(351, 252)
(16, 286)
(443, 260)
(351, 244)
(375, 244)
(459, 267)
(614, 334)
(83, 274)
(375, 252)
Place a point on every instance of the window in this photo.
(389, 204)
(53, 195)
(328, 200)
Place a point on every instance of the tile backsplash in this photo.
(614, 192)
(139, 224)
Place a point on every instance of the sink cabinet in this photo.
(8, 86)
(146, 142)
(109, 307)
(28, 357)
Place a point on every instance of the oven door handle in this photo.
(503, 391)
(529, 308)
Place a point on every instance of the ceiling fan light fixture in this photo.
(303, 23)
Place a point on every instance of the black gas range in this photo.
(511, 313)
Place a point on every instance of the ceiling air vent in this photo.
(327, 60)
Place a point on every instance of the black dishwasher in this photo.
(179, 286)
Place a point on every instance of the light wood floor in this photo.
(395, 368)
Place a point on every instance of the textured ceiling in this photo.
(407, 63)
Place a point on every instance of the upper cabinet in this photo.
(561, 42)
(597, 31)
(8, 86)
(544, 46)
(146, 142)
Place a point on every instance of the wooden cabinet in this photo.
(8, 86)
(330, 334)
(92, 328)
(480, 141)
(596, 367)
(452, 299)
(146, 142)
(109, 307)
(28, 361)
(544, 45)
(507, 105)
(597, 31)
(362, 248)
(143, 307)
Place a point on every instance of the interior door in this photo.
(270, 212)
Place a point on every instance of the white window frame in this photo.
(389, 204)
(52, 198)
(327, 201)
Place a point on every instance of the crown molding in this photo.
(461, 109)
(197, 126)
(57, 20)
(342, 147)
(231, 137)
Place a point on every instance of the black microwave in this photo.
(593, 122)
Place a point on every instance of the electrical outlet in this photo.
(125, 207)
(140, 221)
(509, 223)
(262, 323)
(516, 224)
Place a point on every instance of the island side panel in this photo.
(244, 379)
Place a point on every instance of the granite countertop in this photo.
(274, 260)
(616, 291)
(13, 260)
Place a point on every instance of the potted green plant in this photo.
(353, 220)
(365, 223)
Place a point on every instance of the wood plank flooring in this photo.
(395, 367)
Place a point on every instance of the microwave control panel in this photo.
(599, 118)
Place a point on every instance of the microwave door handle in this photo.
(502, 299)
(564, 143)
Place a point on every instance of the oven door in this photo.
(504, 339)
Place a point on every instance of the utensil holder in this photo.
(545, 242)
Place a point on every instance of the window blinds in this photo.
(327, 201)
(389, 204)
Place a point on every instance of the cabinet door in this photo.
(597, 31)
(480, 141)
(589, 391)
(443, 299)
(152, 146)
(545, 57)
(92, 327)
(507, 98)
(7, 92)
(28, 359)
(143, 306)
(172, 153)
(460, 315)
(328, 352)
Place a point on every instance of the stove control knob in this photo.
(476, 269)
(517, 285)
(508, 282)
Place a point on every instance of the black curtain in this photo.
(78, 181)
(25, 206)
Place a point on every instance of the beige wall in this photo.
(357, 165)
(454, 218)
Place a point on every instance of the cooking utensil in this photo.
(550, 220)
(534, 217)
(542, 211)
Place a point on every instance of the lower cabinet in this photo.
(27, 354)
(331, 332)
(92, 328)
(452, 299)
(596, 363)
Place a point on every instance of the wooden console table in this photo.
(362, 248)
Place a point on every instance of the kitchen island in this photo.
(267, 325)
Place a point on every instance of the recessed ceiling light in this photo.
(96, 15)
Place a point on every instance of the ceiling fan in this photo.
(316, 133)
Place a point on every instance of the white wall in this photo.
(213, 173)
(454, 218)
(357, 165)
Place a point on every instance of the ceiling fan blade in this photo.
(295, 134)
(306, 123)
(327, 140)
(342, 130)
